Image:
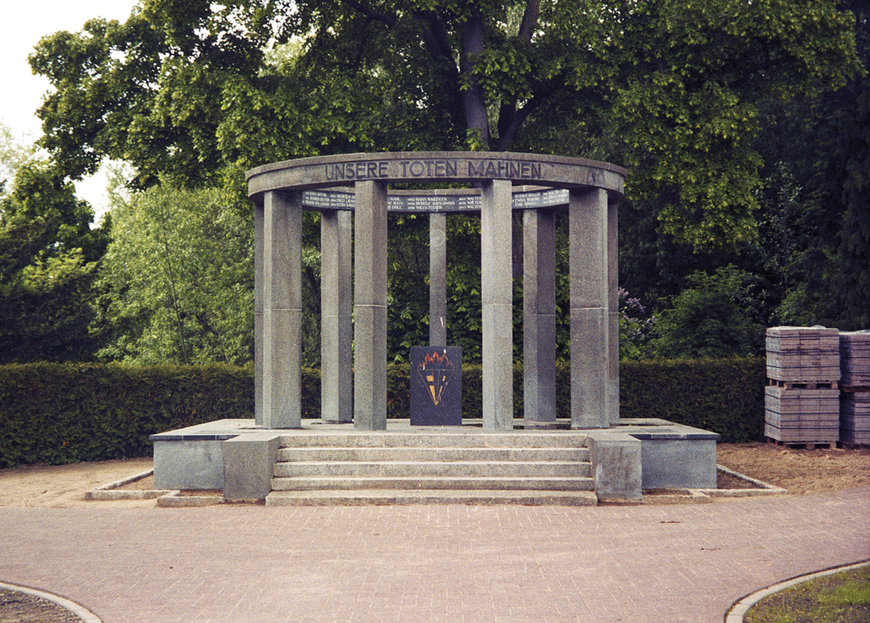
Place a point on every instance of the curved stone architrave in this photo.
(589, 190)
(434, 168)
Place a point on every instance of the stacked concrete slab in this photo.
(855, 379)
(802, 398)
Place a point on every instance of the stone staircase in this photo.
(440, 467)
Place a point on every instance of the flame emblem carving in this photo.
(436, 371)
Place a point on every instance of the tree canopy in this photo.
(48, 261)
(177, 279)
(743, 124)
(670, 88)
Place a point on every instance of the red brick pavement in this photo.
(255, 564)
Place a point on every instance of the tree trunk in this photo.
(473, 101)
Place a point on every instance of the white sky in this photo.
(22, 25)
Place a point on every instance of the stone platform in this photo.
(616, 463)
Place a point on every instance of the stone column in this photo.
(613, 304)
(336, 303)
(539, 316)
(590, 321)
(497, 298)
(370, 306)
(258, 314)
(437, 279)
(282, 310)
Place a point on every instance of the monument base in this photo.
(636, 454)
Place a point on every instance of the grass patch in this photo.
(839, 598)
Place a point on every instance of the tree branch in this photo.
(389, 20)
(473, 100)
(530, 20)
(435, 37)
(514, 118)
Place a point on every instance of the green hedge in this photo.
(63, 413)
(722, 395)
(60, 413)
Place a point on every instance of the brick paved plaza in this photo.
(240, 563)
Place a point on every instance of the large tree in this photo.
(192, 93)
(48, 260)
(177, 279)
(670, 88)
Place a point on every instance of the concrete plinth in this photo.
(239, 457)
(249, 461)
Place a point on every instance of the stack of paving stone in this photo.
(855, 379)
(802, 400)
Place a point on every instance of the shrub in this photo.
(63, 413)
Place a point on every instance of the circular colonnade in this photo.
(353, 196)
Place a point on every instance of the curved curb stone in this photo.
(738, 611)
(78, 610)
(112, 491)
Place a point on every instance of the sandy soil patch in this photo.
(63, 486)
(799, 470)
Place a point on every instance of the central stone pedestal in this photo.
(618, 462)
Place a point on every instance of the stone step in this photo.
(501, 469)
(428, 453)
(442, 439)
(464, 483)
(431, 496)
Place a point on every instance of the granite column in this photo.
(590, 317)
(437, 279)
(282, 310)
(539, 316)
(336, 305)
(497, 298)
(370, 306)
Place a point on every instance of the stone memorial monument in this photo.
(615, 457)
(537, 185)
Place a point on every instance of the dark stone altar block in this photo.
(436, 386)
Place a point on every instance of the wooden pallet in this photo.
(802, 446)
(802, 384)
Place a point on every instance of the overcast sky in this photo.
(22, 25)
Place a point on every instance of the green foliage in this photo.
(178, 279)
(713, 318)
(48, 263)
(724, 395)
(63, 413)
(13, 154)
(634, 327)
(671, 89)
(842, 597)
(852, 280)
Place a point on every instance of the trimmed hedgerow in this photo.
(63, 413)
(722, 395)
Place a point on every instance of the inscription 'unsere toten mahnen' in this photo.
(375, 169)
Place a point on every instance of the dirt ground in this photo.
(799, 471)
(64, 486)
